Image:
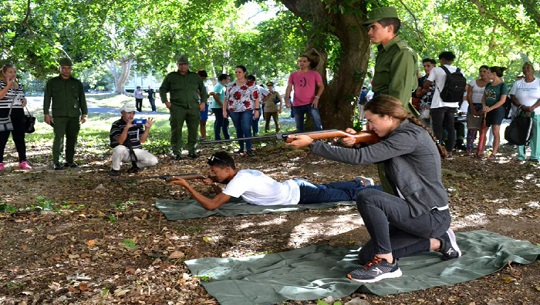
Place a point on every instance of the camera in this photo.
(139, 121)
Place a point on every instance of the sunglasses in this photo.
(214, 159)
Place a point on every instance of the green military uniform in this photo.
(396, 72)
(68, 103)
(184, 91)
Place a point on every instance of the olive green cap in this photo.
(182, 60)
(381, 13)
(66, 62)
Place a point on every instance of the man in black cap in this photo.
(69, 110)
(184, 88)
(395, 64)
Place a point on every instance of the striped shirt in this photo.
(133, 134)
(12, 95)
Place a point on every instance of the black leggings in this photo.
(18, 119)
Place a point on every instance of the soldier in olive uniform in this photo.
(396, 63)
(66, 95)
(185, 88)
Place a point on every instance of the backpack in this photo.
(454, 86)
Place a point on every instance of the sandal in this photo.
(492, 158)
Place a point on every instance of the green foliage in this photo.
(321, 302)
(129, 244)
(7, 208)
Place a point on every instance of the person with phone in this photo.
(127, 135)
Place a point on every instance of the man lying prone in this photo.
(259, 189)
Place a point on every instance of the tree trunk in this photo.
(339, 99)
(121, 73)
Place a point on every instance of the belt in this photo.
(446, 207)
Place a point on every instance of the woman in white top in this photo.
(474, 96)
(525, 95)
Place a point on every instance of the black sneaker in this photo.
(58, 167)
(449, 247)
(251, 153)
(193, 155)
(375, 271)
(71, 164)
(114, 173)
(133, 170)
(177, 157)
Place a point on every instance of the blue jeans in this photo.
(255, 124)
(392, 228)
(242, 122)
(332, 192)
(299, 114)
(221, 124)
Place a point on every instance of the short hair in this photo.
(497, 70)
(447, 55)
(221, 159)
(222, 77)
(431, 60)
(391, 21)
(202, 73)
(306, 57)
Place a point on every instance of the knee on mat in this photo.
(153, 161)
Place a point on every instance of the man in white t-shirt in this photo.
(442, 113)
(258, 189)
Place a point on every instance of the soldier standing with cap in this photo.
(69, 110)
(184, 88)
(395, 64)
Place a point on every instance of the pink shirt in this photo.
(305, 86)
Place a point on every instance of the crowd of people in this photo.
(407, 214)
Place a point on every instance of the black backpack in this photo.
(454, 86)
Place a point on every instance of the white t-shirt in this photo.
(477, 92)
(259, 189)
(527, 93)
(438, 76)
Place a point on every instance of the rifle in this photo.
(367, 137)
(164, 177)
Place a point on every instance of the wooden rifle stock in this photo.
(367, 137)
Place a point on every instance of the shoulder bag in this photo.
(520, 129)
(5, 123)
(30, 122)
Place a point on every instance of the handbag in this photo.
(520, 130)
(30, 122)
(474, 122)
(5, 123)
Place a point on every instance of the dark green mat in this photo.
(316, 272)
(190, 208)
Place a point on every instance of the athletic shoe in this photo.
(251, 153)
(364, 181)
(449, 247)
(71, 164)
(58, 167)
(114, 173)
(375, 271)
(193, 155)
(25, 166)
(2, 166)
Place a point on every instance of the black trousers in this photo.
(19, 126)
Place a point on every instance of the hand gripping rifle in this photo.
(164, 177)
(367, 137)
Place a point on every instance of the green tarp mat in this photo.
(190, 208)
(316, 272)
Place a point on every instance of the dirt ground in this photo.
(78, 237)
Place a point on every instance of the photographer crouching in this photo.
(126, 135)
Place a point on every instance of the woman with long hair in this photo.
(492, 102)
(242, 103)
(416, 219)
(12, 101)
(474, 96)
